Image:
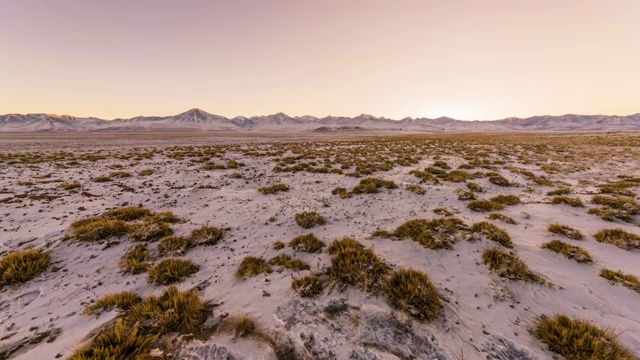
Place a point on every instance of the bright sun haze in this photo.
(466, 59)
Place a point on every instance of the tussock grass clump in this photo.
(273, 189)
(287, 262)
(307, 286)
(565, 230)
(101, 178)
(424, 176)
(136, 260)
(607, 215)
(619, 203)
(561, 191)
(618, 237)
(97, 229)
(243, 327)
(484, 206)
(505, 219)
(578, 339)
(465, 195)
(474, 187)
(353, 264)
(307, 243)
(309, 219)
(174, 245)
(171, 271)
(493, 233)
(499, 180)
(371, 186)
(507, 199)
(20, 266)
(122, 301)
(252, 266)
(166, 217)
(432, 234)
(205, 235)
(508, 265)
(412, 292)
(129, 213)
(70, 186)
(145, 322)
(149, 230)
(416, 189)
(442, 211)
(565, 200)
(120, 175)
(145, 172)
(569, 251)
(341, 192)
(618, 277)
(278, 245)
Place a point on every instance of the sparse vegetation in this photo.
(561, 191)
(307, 286)
(412, 292)
(506, 199)
(484, 206)
(309, 219)
(71, 186)
(505, 219)
(307, 243)
(252, 266)
(508, 265)
(372, 186)
(493, 233)
(289, 263)
(565, 200)
(499, 180)
(101, 178)
(569, 251)
(97, 229)
(149, 230)
(136, 260)
(122, 301)
(127, 213)
(20, 266)
(578, 339)
(205, 235)
(618, 277)
(565, 230)
(618, 237)
(171, 271)
(273, 189)
(174, 245)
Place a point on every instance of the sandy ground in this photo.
(485, 316)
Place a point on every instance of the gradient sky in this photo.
(468, 59)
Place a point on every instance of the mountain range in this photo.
(199, 120)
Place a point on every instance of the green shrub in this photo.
(507, 200)
(205, 235)
(129, 213)
(569, 251)
(307, 286)
(149, 230)
(578, 339)
(307, 243)
(136, 260)
(484, 206)
(171, 271)
(499, 180)
(493, 233)
(252, 266)
(618, 237)
(273, 189)
(565, 230)
(565, 200)
(122, 301)
(174, 245)
(20, 266)
(618, 277)
(371, 186)
(432, 234)
(97, 229)
(309, 219)
(412, 292)
(505, 219)
(509, 265)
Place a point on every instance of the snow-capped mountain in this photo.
(199, 120)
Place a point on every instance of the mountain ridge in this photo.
(200, 120)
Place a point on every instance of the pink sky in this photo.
(468, 59)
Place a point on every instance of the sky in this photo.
(467, 59)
